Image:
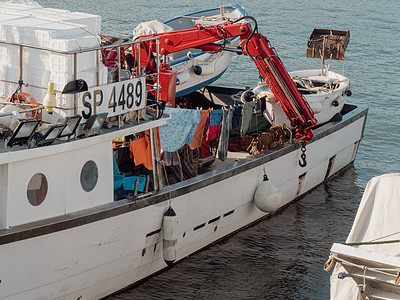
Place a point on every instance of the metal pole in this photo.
(97, 67)
(323, 55)
(138, 62)
(21, 58)
(155, 157)
(75, 98)
(119, 63)
(158, 74)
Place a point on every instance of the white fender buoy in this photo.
(170, 236)
(315, 106)
(267, 197)
(203, 70)
(182, 77)
(11, 112)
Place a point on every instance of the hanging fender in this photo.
(170, 236)
(29, 100)
(329, 264)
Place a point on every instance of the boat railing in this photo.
(75, 53)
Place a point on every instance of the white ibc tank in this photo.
(54, 29)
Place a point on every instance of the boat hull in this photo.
(96, 252)
(326, 95)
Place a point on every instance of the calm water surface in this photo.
(282, 257)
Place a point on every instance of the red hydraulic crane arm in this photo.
(282, 86)
(254, 45)
(200, 37)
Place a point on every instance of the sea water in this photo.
(282, 257)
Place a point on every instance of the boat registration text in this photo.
(115, 99)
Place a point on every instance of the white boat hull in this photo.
(93, 253)
(326, 98)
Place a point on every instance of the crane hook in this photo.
(303, 161)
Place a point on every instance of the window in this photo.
(89, 176)
(37, 189)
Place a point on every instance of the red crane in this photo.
(253, 44)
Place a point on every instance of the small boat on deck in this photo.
(107, 178)
(368, 263)
(324, 90)
(196, 68)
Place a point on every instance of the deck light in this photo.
(46, 134)
(75, 86)
(72, 124)
(94, 124)
(20, 131)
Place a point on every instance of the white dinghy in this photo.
(196, 68)
(368, 263)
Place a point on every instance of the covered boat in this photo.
(368, 263)
(105, 181)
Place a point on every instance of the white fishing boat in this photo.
(368, 263)
(196, 68)
(73, 223)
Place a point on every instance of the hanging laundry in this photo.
(215, 117)
(247, 114)
(236, 115)
(169, 158)
(214, 125)
(179, 129)
(138, 150)
(213, 132)
(141, 150)
(224, 139)
(205, 144)
(198, 134)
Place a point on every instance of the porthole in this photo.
(37, 189)
(89, 176)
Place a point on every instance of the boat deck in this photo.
(221, 171)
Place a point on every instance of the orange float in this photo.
(29, 100)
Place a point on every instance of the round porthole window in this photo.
(89, 176)
(37, 189)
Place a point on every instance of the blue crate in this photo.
(118, 181)
(129, 183)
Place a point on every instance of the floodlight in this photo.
(94, 124)
(46, 134)
(20, 131)
(72, 124)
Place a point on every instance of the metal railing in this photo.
(75, 54)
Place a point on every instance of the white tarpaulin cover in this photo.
(150, 27)
(377, 219)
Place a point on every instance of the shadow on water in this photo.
(279, 258)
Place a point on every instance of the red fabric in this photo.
(213, 132)
(110, 57)
(205, 144)
(199, 132)
(141, 150)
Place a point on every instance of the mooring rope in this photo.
(373, 243)
(384, 271)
